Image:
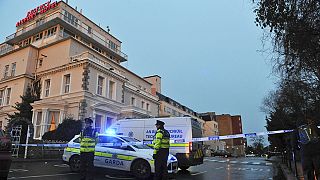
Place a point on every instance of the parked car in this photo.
(223, 153)
(5, 154)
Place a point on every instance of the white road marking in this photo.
(219, 168)
(222, 161)
(268, 170)
(268, 164)
(260, 169)
(253, 169)
(233, 161)
(213, 160)
(18, 170)
(198, 173)
(61, 165)
(244, 162)
(41, 176)
(107, 176)
(256, 163)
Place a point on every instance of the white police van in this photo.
(120, 153)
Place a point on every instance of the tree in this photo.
(23, 116)
(65, 131)
(258, 144)
(294, 28)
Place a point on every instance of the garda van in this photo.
(181, 129)
(119, 153)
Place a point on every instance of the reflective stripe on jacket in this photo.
(88, 140)
(161, 140)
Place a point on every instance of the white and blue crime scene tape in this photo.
(202, 139)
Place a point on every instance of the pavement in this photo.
(213, 168)
(288, 173)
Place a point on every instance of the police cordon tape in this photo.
(209, 138)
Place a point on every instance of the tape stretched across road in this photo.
(210, 138)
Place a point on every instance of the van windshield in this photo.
(138, 146)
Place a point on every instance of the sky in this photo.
(207, 52)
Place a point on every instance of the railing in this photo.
(4, 48)
(97, 60)
(94, 35)
(143, 92)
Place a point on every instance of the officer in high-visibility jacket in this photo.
(88, 141)
(161, 144)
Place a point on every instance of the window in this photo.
(97, 122)
(111, 90)
(66, 83)
(40, 62)
(46, 88)
(38, 125)
(148, 106)
(13, 69)
(108, 139)
(89, 30)
(112, 46)
(1, 97)
(8, 94)
(100, 85)
(6, 71)
(27, 42)
(133, 101)
(70, 18)
(142, 104)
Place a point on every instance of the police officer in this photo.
(161, 144)
(88, 140)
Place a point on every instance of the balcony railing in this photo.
(93, 34)
(4, 48)
(90, 56)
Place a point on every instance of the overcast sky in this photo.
(206, 51)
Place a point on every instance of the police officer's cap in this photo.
(88, 120)
(159, 123)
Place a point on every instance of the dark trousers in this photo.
(86, 165)
(160, 165)
(311, 167)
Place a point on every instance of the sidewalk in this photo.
(285, 170)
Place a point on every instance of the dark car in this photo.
(5, 154)
(223, 153)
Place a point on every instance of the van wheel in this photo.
(184, 167)
(74, 163)
(141, 169)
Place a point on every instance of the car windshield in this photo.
(138, 146)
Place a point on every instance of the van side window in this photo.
(77, 140)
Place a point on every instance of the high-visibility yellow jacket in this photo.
(88, 140)
(161, 140)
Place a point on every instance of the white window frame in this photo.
(63, 84)
(142, 104)
(100, 89)
(46, 88)
(148, 106)
(1, 96)
(8, 95)
(13, 68)
(133, 101)
(114, 90)
(6, 71)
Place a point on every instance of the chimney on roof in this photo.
(108, 29)
(80, 11)
(66, 1)
(76, 8)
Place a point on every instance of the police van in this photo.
(182, 130)
(120, 153)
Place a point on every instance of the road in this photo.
(213, 168)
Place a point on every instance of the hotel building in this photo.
(79, 66)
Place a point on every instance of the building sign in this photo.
(36, 11)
